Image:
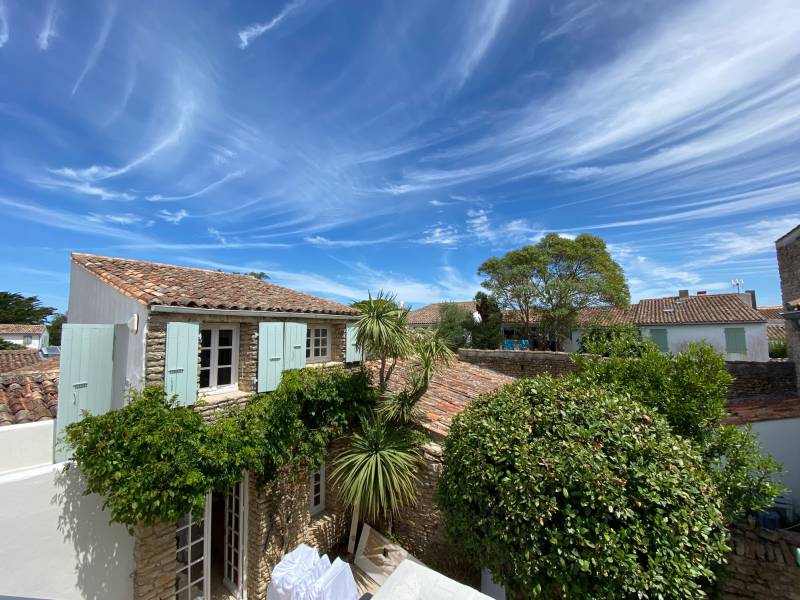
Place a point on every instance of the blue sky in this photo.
(341, 146)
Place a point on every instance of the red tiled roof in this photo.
(711, 308)
(775, 332)
(428, 315)
(25, 398)
(14, 359)
(752, 411)
(21, 329)
(449, 392)
(771, 312)
(607, 315)
(172, 285)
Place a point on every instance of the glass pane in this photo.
(197, 550)
(225, 357)
(205, 358)
(183, 595)
(205, 338)
(308, 352)
(197, 571)
(225, 337)
(204, 379)
(224, 376)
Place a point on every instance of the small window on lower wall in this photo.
(317, 344)
(659, 338)
(317, 491)
(735, 340)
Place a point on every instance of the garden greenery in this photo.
(153, 461)
(566, 489)
(616, 340)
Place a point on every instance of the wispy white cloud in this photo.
(483, 31)
(202, 191)
(99, 45)
(441, 234)
(4, 26)
(574, 17)
(48, 31)
(173, 217)
(323, 242)
(82, 187)
(498, 231)
(744, 241)
(119, 219)
(251, 32)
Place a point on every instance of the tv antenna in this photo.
(737, 283)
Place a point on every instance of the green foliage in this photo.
(554, 279)
(454, 323)
(4, 345)
(614, 340)
(487, 333)
(566, 489)
(778, 349)
(54, 328)
(16, 308)
(154, 461)
(690, 390)
(377, 470)
(381, 332)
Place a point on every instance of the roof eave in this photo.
(190, 310)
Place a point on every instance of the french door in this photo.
(192, 557)
(235, 538)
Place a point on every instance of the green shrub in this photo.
(563, 489)
(154, 461)
(778, 349)
(690, 390)
(616, 340)
(454, 323)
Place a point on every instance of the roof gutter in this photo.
(190, 310)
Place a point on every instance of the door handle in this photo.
(173, 371)
(297, 347)
(275, 358)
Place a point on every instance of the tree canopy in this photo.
(487, 332)
(16, 308)
(552, 281)
(454, 324)
(54, 328)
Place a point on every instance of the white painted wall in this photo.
(56, 543)
(680, 336)
(92, 301)
(26, 445)
(781, 438)
(19, 338)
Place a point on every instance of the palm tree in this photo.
(376, 473)
(381, 332)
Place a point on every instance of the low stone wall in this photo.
(520, 363)
(773, 379)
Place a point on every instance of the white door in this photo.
(235, 534)
(192, 536)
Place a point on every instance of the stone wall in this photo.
(520, 363)
(762, 380)
(247, 375)
(154, 552)
(788, 250)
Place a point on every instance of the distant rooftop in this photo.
(21, 329)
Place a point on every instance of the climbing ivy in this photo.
(154, 461)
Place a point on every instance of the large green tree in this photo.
(16, 308)
(454, 322)
(552, 281)
(54, 328)
(487, 332)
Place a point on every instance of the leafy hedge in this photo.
(566, 489)
(154, 461)
(616, 340)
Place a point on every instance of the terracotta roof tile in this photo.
(14, 359)
(428, 315)
(172, 285)
(25, 398)
(21, 329)
(771, 312)
(449, 392)
(711, 308)
(775, 332)
(765, 409)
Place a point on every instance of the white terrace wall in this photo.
(56, 542)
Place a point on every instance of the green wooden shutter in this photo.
(352, 352)
(180, 368)
(735, 340)
(270, 355)
(294, 345)
(86, 376)
(659, 338)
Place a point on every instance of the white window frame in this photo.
(315, 506)
(213, 388)
(310, 331)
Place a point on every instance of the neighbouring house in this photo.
(213, 339)
(788, 251)
(34, 337)
(776, 331)
(428, 316)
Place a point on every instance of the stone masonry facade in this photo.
(247, 376)
(788, 250)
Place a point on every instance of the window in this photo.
(659, 338)
(219, 353)
(27, 340)
(317, 344)
(317, 491)
(735, 340)
(190, 558)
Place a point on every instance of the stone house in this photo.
(213, 339)
(788, 250)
